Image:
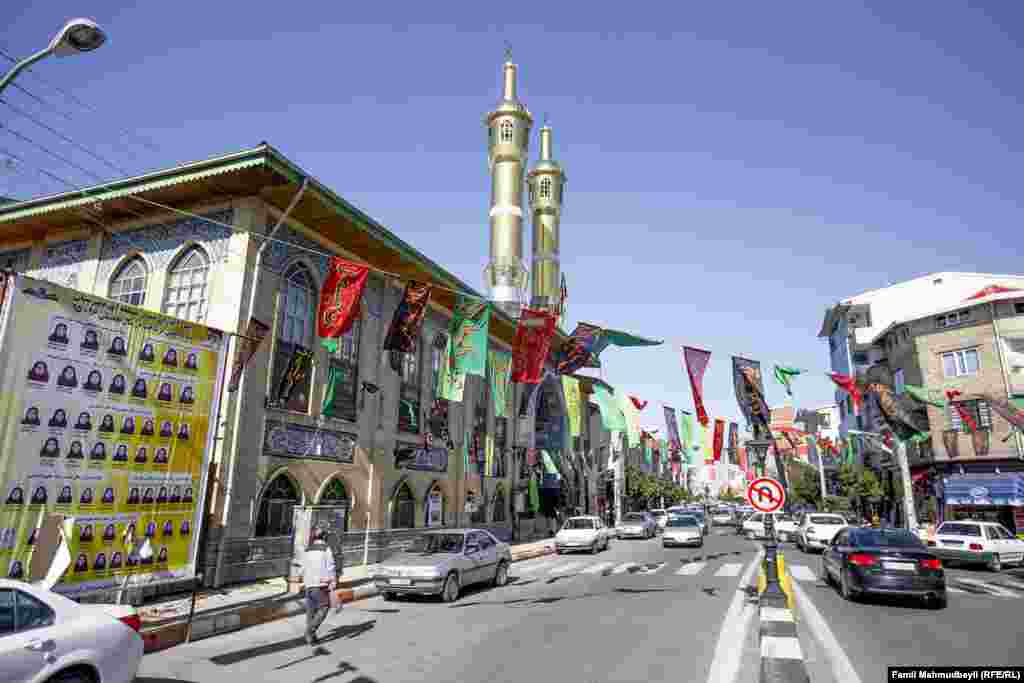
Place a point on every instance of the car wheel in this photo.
(937, 603)
(996, 564)
(501, 576)
(73, 676)
(593, 548)
(844, 588)
(450, 592)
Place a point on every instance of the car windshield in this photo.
(696, 515)
(633, 517)
(828, 520)
(955, 529)
(894, 538)
(682, 521)
(579, 524)
(437, 543)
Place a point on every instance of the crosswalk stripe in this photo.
(691, 569)
(624, 567)
(802, 572)
(566, 568)
(950, 589)
(994, 590)
(731, 569)
(597, 568)
(1015, 588)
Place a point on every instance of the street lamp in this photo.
(78, 35)
(773, 595)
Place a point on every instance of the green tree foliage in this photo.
(806, 486)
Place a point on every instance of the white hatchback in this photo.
(47, 637)
(985, 543)
(785, 526)
(817, 530)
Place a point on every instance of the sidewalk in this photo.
(218, 611)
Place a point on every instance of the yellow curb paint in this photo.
(762, 582)
(784, 580)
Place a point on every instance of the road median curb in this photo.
(166, 635)
(782, 657)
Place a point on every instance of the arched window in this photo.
(296, 316)
(506, 131)
(499, 505)
(545, 188)
(435, 507)
(185, 296)
(275, 516)
(335, 494)
(129, 283)
(403, 509)
(409, 392)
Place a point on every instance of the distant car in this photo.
(682, 530)
(660, 518)
(722, 517)
(785, 526)
(47, 637)
(972, 542)
(817, 530)
(582, 533)
(443, 563)
(883, 561)
(636, 525)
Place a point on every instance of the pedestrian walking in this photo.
(319, 578)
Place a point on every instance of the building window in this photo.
(343, 380)
(276, 504)
(1018, 307)
(403, 509)
(506, 131)
(545, 188)
(129, 283)
(960, 363)
(499, 506)
(295, 329)
(951, 319)
(336, 495)
(185, 295)
(979, 411)
(409, 392)
(898, 381)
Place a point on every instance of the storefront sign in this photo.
(288, 440)
(413, 457)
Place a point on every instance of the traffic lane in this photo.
(879, 632)
(580, 629)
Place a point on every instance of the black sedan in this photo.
(883, 562)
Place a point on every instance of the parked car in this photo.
(722, 517)
(701, 520)
(443, 563)
(883, 561)
(582, 533)
(817, 529)
(785, 526)
(636, 525)
(972, 542)
(660, 518)
(47, 637)
(682, 530)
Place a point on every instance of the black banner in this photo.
(749, 386)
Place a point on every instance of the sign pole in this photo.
(768, 496)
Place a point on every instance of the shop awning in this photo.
(1005, 489)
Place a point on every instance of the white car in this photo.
(582, 533)
(682, 530)
(660, 518)
(977, 542)
(785, 526)
(47, 638)
(817, 530)
(722, 518)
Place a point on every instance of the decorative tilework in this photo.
(61, 262)
(161, 242)
(19, 259)
(279, 254)
(298, 441)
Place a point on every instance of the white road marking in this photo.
(802, 572)
(597, 568)
(842, 670)
(773, 647)
(731, 569)
(691, 569)
(725, 665)
(950, 589)
(624, 567)
(566, 568)
(994, 590)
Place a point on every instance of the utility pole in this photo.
(908, 491)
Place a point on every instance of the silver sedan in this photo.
(637, 525)
(443, 563)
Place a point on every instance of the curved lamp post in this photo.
(773, 595)
(78, 35)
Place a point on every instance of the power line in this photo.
(46, 150)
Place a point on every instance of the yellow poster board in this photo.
(106, 417)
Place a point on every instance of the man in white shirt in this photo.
(319, 578)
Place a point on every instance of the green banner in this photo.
(632, 420)
(549, 464)
(450, 384)
(571, 389)
(468, 336)
(501, 367)
(611, 415)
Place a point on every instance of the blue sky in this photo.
(734, 168)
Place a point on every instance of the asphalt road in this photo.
(981, 625)
(636, 612)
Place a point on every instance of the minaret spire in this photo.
(547, 185)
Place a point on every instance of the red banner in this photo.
(640, 405)
(696, 362)
(849, 385)
(340, 297)
(719, 439)
(533, 341)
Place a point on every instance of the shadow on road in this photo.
(338, 633)
(343, 668)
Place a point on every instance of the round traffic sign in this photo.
(766, 495)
